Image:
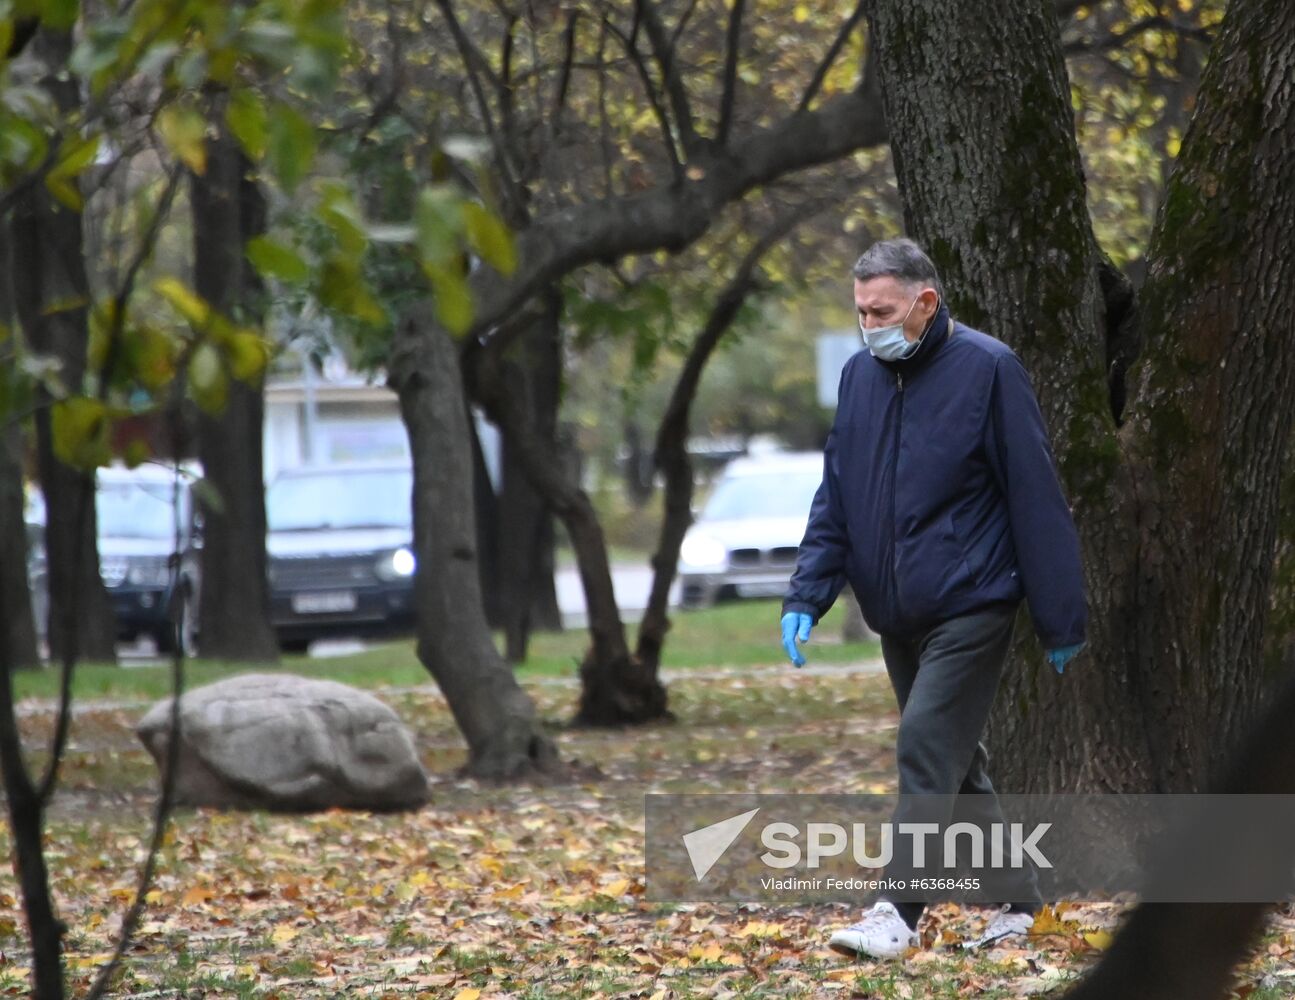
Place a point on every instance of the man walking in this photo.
(941, 507)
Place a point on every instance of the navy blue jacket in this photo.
(940, 494)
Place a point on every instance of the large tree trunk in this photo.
(234, 603)
(1177, 508)
(525, 526)
(496, 717)
(615, 687)
(51, 298)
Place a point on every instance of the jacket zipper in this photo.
(894, 482)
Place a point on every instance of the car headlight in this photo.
(397, 565)
(148, 573)
(700, 549)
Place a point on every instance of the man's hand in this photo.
(795, 625)
(1062, 655)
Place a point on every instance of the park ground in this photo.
(531, 891)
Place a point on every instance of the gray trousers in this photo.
(945, 679)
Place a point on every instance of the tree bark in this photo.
(1176, 510)
(51, 296)
(615, 688)
(17, 625)
(525, 529)
(496, 717)
(670, 455)
(234, 601)
(1187, 951)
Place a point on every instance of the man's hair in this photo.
(901, 259)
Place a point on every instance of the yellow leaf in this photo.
(284, 933)
(184, 130)
(1101, 940)
(617, 888)
(471, 993)
(197, 894)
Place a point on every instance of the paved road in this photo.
(631, 581)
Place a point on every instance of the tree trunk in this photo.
(234, 602)
(17, 625)
(615, 688)
(670, 455)
(1178, 507)
(1208, 442)
(51, 296)
(496, 717)
(525, 530)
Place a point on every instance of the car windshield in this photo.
(135, 510)
(356, 498)
(776, 493)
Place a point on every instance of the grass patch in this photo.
(737, 634)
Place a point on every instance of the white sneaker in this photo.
(1002, 925)
(881, 933)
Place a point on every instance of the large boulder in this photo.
(278, 741)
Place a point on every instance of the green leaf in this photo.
(249, 123)
(65, 191)
(438, 225)
(75, 155)
(208, 382)
(185, 301)
(490, 238)
(136, 453)
(60, 15)
(453, 299)
(274, 260)
(208, 495)
(338, 211)
(291, 148)
(81, 431)
(184, 131)
(342, 288)
(249, 354)
(149, 356)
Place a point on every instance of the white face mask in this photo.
(888, 342)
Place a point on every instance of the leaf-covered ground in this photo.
(518, 892)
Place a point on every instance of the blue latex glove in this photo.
(795, 625)
(1062, 655)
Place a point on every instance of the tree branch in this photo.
(664, 50)
(838, 43)
(474, 63)
(1118, 39)
(729, 84)
(629, 43)
(671, 216)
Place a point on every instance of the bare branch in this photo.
(475, 66)
(1118, 39)
(671, 216)
(682, 23)
(664, 51)
(834, 50)
(654, 98)
(729, 86)
(564, 74)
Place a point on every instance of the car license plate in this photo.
(768, 588)
(325, 601)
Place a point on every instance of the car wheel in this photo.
(187, 616)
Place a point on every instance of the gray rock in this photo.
(279, 741)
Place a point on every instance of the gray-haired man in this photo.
(941, 507)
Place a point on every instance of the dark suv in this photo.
(340, 546)
(137, 518)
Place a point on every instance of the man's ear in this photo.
(930, 300)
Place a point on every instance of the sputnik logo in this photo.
(707, 845)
